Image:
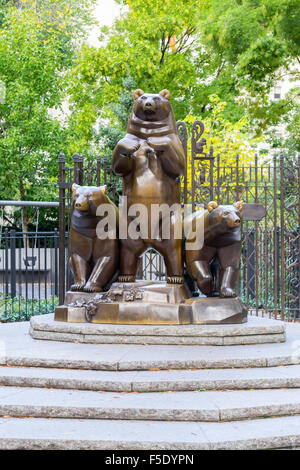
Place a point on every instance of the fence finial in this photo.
(61, 158)
(77, 158)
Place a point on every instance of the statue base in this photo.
(149, 303)
(214, 310)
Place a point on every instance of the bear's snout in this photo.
(233, 221)
(82, 204)
(149, 106)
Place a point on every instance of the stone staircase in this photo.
(138, 396)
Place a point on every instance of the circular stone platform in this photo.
(256, 331)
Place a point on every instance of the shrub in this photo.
(13, 309)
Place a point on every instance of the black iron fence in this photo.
(28, 274)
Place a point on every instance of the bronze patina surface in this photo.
(150, 159)
(222, 241)
(216, 310)
(92, 260)
(149, 303)
(139, 302)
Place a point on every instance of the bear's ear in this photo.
(75, 187)
(137, 93)
(103, 189)
(212, 205)
(165, 93)
(238, 205)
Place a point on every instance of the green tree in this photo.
(256, 43)
(234, 49)
(37, 45)
(136, 47)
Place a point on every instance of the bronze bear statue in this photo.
(150, 159)
(93, 261)
(222, 241)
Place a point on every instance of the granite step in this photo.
(145, 359)
(160, 406)
(93, 434)
(18, 348)
(152, 380)
(85, 396)
(255, 331)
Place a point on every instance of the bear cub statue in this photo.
(222, 242)
(94, 261)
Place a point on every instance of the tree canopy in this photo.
(234, 49)
(37, 45)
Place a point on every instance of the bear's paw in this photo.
(126, 278)
(227, 292)
(175, 279)
(77, 286)
(91, 287)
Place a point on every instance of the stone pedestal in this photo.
(149, 303)
(254, 331)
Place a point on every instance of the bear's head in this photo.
(88, 197)
(229, 216)
(152, 107)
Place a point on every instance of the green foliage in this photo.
(262, 58)
(228, 139)
(37, 45)
(14, 309)
(233, 49)
(28, 133)
(109, 134)
(138, 46)
(287, 25)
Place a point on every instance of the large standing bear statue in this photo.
(150, 159)
(222, 240)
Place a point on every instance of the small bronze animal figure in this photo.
(93, 261)
(222, 240)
